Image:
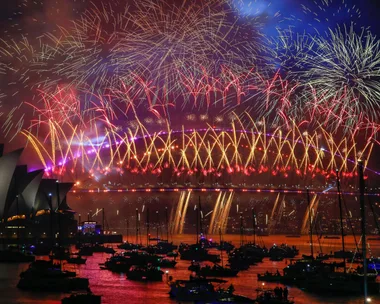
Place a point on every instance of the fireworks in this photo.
(188, 152)
(115, 76)
(159, 42)
(342, 79)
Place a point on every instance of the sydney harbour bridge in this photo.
(232, 171)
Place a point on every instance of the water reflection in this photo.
(115, 288)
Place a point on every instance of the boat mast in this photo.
(241, 230)
(103, 217)
(341, 219)
(52, 219)
(18, 224)
(147, 227)
(137, 225)
(127, 229)
(197, 224)
(220, 242)
(254, 226)
(200, 217)
(158, 224)
(59, 222)
(363, 223)
(59, 213)
(311, 224)
(167, 224)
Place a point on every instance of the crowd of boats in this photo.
(312, 273)
(206, 268)
(46, 274)
(210, 264)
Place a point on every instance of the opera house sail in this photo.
(26, 197)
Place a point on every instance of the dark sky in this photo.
(34, 17)
(20, 11)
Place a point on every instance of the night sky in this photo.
(34, 19)
(21, 12)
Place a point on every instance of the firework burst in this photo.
(119, 63)
(345, 74)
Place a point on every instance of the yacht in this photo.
(216, 271)
(145, 273)
(203, 290)
(196, 252)
(47, 276)
(76, 259)
(82, 298)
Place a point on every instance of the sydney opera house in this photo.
(31, 206)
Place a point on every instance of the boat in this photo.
(169, 246)
(129, 246)
(202, 290)
(145, 273)
(47, 276)
(156, 249)
(322, 256)
(165, 263)
(254, 249)
(238, 265)
(270, 277)
(246, 255)
(325, 278)
(76, 259)
(249, 253)
(59, 253)
(283, 250)
(198, 289)
(172, 254)
(194, 266)
(197, 253)
(226, 246)
(272, 296)
(216, 271)
(299, 270)
(143, 258)
(16, 256)
(118, 263)
(89, 249)
(82, 298)
(207, 243)
(340, 283)
(47, 268)
(340, 254)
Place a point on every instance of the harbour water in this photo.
(115, 288)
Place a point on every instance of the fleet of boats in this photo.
(324, 274)
(321, 273)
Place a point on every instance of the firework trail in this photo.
(327, 13)
(109, 70)
(345, 75)
(66, 147)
